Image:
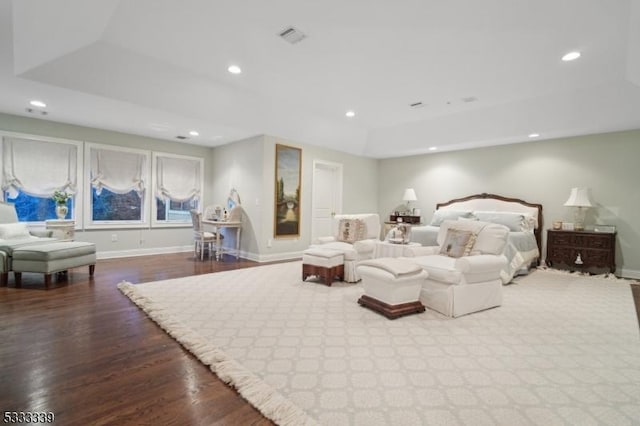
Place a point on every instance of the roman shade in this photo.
(118, 171)
(178, 179)
(38, 168)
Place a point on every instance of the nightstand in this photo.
(63, 230)
(584, 251)
(388, 225)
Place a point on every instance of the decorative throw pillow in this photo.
(14, 231)
(348, 230)
(458, 243)
(361, 229)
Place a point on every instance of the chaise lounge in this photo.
(22, 250)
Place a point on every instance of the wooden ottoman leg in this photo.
(305, 271)
(340, 272)
(328, 276)
(47, 280)
(92, 269)
(4, 279)
(18, 278)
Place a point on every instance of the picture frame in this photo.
(609, 229)
(288, 179)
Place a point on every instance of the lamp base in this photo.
(578, 218)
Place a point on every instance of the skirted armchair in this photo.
(464, 269)
(355, 236)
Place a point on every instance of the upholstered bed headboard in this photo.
(492, 202)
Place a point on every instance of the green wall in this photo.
(540, 172)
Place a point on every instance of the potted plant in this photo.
(61, 197)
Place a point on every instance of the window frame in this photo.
(155, 223)
(89, 223)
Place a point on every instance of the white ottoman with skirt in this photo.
(391, 286)
(324, 263)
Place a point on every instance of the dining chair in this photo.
(202, 239)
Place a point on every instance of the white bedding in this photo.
(521, 217)
(521, 249)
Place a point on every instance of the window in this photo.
(119, 193)
(34, 168)
(36, 209)
(177, 184)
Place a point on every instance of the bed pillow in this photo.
(458, 243)
(516, 222)
(441, 215)
(351, 230)
(14, 231)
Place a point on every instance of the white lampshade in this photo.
(409, 195)
(579, 197)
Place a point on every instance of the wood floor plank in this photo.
(84, 351)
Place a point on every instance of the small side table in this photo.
(64, 230)
(387, 249)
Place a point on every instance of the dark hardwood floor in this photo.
(83, 351)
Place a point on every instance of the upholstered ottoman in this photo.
(391, 286)
(53, 257)
(324, 263)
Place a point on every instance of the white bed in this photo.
(524, 219)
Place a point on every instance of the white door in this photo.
(326, 197)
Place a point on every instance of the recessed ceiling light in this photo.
(534, 135)
(433, 148)
(571, 56)
(350, 114)
(194, 133)
(38, 104)
(234, 69)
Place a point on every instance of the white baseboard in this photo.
(182, 249)
(629, 273)
(142, 252)
(280, 256)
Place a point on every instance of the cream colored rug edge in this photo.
(268, 401)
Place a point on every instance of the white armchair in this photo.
(354, 244)
(459, 285)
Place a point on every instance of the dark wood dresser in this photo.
(585, 251)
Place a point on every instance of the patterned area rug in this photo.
(562, 349)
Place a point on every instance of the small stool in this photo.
(53, 257)
(323, 263)
(392, 286)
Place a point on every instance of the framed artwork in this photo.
(287, 194)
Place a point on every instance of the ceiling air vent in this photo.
(181, 137)
(416, 105)
(469, 99)
(34, 111)
(292, 35)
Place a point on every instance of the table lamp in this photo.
(581, 199)
(409, 196)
